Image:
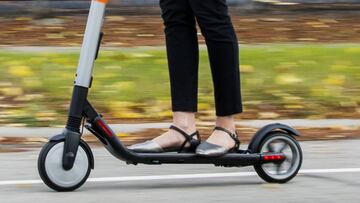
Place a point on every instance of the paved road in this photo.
(143, 183)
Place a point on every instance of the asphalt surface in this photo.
(144, 183)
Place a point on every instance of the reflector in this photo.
(272, 157)
(104, 128)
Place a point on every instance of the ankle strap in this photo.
(234, 136)
(188, 138)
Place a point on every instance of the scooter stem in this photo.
(90, 43)
(83, 79)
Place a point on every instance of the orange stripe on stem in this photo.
(103, 1)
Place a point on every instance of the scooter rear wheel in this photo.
(54, 175)
(280, 142)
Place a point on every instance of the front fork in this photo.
(98, 127)
(83, 80)
(72, 130)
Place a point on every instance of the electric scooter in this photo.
(65, 162)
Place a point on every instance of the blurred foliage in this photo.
(278, 81)
(130, 31)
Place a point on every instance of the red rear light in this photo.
(104, 127)
(271, 157)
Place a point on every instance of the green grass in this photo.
(291, 80)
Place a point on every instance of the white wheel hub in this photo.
(57, 174)
(282, 144)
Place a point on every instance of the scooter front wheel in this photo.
(280, 142)
(54, 175)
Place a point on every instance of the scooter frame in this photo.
(80, 108)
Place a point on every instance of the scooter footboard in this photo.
(235, 159)
(116, 148)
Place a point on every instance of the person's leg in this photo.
(222, 44)
(182, 53)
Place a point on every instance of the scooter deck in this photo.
(101, 130)
(240, 159)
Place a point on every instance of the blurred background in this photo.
(300, 66)
(299, 60)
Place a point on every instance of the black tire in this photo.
(272, 179)
(44, 174)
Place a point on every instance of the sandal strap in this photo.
(188, 138)
(234, 136)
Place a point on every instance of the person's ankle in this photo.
(226, 122)
(185, 121)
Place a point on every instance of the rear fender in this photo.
(261, 134)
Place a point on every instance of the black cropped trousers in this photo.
(180, 17)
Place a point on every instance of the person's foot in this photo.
(223, 139)
(175, 139)
(182, 129)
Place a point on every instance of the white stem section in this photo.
(90, 43)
